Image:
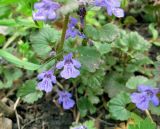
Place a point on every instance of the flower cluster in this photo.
(65, 99)
(72, 31)
(45, 10)
(47, 79)
(146, 95)
(112, 7)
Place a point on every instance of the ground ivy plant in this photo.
(90, 68)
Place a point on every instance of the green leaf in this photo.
(6, 2)
(84, 105)
(103, 48)
(28, 92)
(117, 107)
(44, 41)
(2, 39)
(145, 124)
(18, 22)
(153, 31)
(135, 117)
(130, 20)
(155, 109)
(32, 97)
(90, 58)
(19, 63)
(107, 33)
(94, 99)
(10, 76)
(135, 81)
(114, 83)
(8, 22)
(132, 43)
(94, 79)
(90, 124)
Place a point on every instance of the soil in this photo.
(43, 115)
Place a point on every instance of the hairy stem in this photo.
(61, 43)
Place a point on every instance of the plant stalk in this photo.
(149, 115)
(65, 25)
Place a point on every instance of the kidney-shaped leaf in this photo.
(44, 41)
(117, 106)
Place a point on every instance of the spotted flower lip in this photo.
(69, 66)
(112, 7)
(65, 99)
(45, 10)
(47, 79)
(145, 95)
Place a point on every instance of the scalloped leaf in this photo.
(28, 92)
(117, 107)
(107, 33)
(44, 41)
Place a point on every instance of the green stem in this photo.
(61, 43)
(60, 85)
(10, 40)
(149, 115)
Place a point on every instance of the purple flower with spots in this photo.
(69, 66)
(45, 10)
(112, 7)
(47, 79)
(146, 95)
(72, 31)
(65, 99)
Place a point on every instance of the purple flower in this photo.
(69, 66)
(47, 80)
(45, 10)
(80, 127)
(112, 7)
(146, 95)
(65, 99)
(72, 31)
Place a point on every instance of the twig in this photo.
(17, 117)
(16, 103)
